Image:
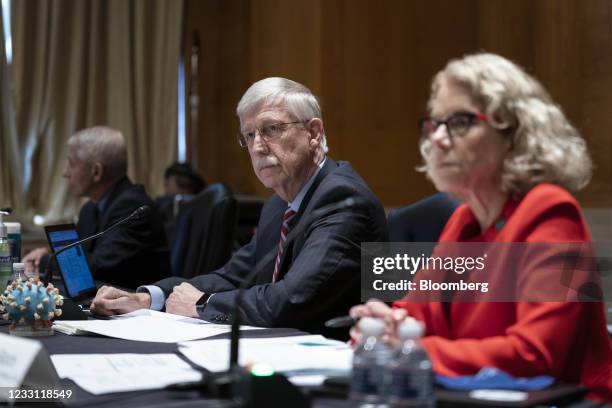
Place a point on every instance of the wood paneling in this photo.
(223, 30)
(376, 73)
(371, 63)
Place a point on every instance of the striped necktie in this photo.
(289, 213)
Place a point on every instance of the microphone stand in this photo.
(250, 278)
(273, 390)
(136, 214)
(246, 389)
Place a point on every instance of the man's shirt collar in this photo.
(297, 201)
(101, 204)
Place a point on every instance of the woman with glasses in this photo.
(496, 141)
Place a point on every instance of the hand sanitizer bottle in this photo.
(6, 262)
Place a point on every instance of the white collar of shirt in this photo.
(297, 201)
(101, 204)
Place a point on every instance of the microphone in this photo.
(250, 278)
(137, 214)
(239, 384)
(255, 391)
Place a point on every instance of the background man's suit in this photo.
(132, 254)
(319, 276)
(422, 221)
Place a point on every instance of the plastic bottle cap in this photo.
(13, 227)
(19, 265)
(411, 329)
(3, 229)
(370, 326)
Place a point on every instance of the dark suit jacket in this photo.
(132, 254)
(422, 221)
(320, 270)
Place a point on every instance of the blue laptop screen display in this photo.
(72, 263)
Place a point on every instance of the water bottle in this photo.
(18, 272)
(369, 385)
(6, 263)
(14, 237)
(410, 373)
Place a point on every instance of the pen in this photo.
(340, 322)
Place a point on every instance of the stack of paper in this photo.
(299, 357)
(146, 326)
(161, 315)
(104, 373)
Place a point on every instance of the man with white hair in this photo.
(317, 275)
(132, 254)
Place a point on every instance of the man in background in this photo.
(132, 254)
(181, 185)
(180, 178)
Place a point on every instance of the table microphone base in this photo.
(249, 390)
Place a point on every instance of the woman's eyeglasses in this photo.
(457, 124)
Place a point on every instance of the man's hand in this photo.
(32, 259)
(376, 308)
(110, 301)
(182, 300)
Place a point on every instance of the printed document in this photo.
(104, 373)
(152, 328)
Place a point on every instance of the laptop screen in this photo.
(73, 262)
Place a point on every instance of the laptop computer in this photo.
(73, 266)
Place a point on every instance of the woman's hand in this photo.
(377, 309)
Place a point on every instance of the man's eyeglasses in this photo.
(267, 132)
(456, 124)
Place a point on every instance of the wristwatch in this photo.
(202, 301)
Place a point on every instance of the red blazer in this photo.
(567, 340)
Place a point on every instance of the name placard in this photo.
(24, 362)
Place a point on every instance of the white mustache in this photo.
(265, 161)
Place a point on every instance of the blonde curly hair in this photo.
(546, 148)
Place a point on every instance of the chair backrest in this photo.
(249, 209)
(422, 221)
(168, 207)
(204, 232)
